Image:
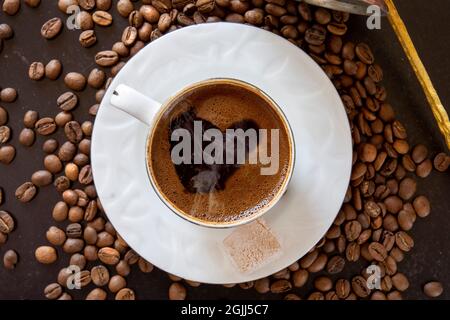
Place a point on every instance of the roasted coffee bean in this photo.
(3, 116)
(62, 118)
(125, 7)
(104, 239)
(323, 284)
(433, 289)
(125, 294)
(87, 4)
(53, 69)
(96, 78)
(102, 18)
(342, 288)
(45, 254)
(335, 265)
(441, 162)
(422, 206)
(103, 4)
(7, 154)
(424, 169)
(8, 95)
(315, 35)
(10, 259)
(87, 38)
(6, 222)
(75, 81)
(26, 192)
(109, 256)
(84, 20)
(67, 101)
(177, 291)
(56, 236)
(100, 275)
(406, 219)
(129, 35)
(407, 188)
(76, 214)
(359, 287)
(419, 153)
(83, 278)
(11, 7)
(5, 134)
(123, 268)
(71, 171)
(85, 176)
(45, 126)
(352, 230)
(353, 251)
(73, 132)
(97, 294)
(377, 251)
(106, 58)
(116, 283)
(400, 282)
(61, 184)
(50, 146)
(51, 28)
(42, 178)
(91, 210)
(53, 291)
(408, 163)
(67, 151)
(36, 71)
(78, 260)
(299, 278)
(318, 264)
(6, 32)
(254, 16)
(404, 241)
(316, 296)
(74, 230)
(72, 245)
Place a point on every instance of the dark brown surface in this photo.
(429, 260)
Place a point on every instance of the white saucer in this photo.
(284, 72)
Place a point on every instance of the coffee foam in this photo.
(246, 190)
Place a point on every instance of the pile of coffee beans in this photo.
(380, 206)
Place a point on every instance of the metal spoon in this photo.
(351, 6)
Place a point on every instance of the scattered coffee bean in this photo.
(10, 259)
(51, 28)
(441, 162)
(67, 101)
(45, 126)
(109, 256)
(116, 283)
(323, 284)
(46, 254)
(400, 282)
(177, 291)
(335, 265)
(75, 81)
(6, 222)
(8, 95)
(433, 289)
(11, 7)
(53, 291)
(42, 178)
(3, 116)
(6, 32)
(72, 245)
(125, 294)
(422, 206)
(87, 38)
(106, 58)
(56, 236)
(424, 169)
(36, 71)
(404, 241)
(97, 294)
(85, 176)
(33, 3)
(26, 192)
(419, 153)
(7, 154)
(67, 151)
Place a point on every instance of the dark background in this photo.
(429, 26)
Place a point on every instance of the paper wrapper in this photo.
(252, 246)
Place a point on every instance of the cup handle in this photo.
(135, 103)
